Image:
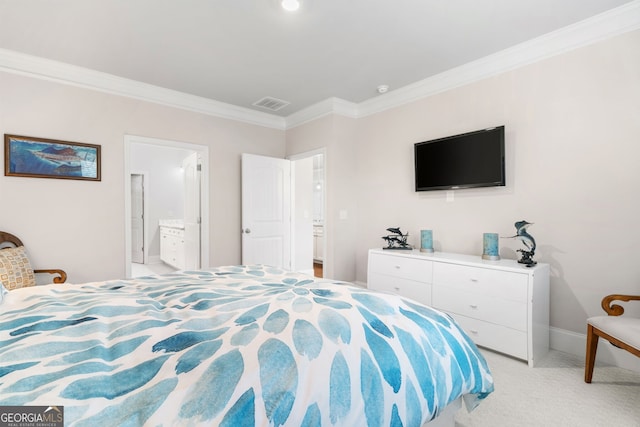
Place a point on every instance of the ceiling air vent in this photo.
(271, 104)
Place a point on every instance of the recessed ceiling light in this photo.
(290, 5)
(382, 88)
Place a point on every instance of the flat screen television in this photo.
(473, 159)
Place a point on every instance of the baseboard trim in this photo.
(576, 344)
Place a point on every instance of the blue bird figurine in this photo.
(522, 235)
(528, 241)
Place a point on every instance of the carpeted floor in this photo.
(554, 394)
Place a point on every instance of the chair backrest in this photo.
(8, 240)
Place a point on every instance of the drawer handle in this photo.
(474, 280)
(474, 306)
(473, 331)
(397, 267)
(396, 288)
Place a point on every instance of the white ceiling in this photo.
(239, 51)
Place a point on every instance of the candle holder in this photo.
(490, 250)
(426, 241)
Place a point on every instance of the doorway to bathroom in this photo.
(166, 211)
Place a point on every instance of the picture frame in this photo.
(32, 157)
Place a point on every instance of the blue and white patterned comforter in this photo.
(233, 346)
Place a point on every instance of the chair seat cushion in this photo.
(623, 328)
(15, 268)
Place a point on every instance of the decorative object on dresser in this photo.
(621, 331)
(396, 240)
(502, 305)
(490, 249)
(27, 156)
(426, 241)
(529, 242)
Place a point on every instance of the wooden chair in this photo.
(9, 240)
(621, 331)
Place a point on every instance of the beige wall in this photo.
(572, 141)
(79, 225)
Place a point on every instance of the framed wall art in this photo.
(49, 158)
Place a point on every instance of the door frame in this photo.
(129, 141)
(145, 213)
(325, 235)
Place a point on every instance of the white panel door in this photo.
(302, 215)
(191, 167)
(266, 211)
(137, 218)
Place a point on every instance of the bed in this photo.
(234, 346)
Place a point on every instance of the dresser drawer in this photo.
(169, 231)
(495, 337)
(398, 266)
(418, 291)
(509, 313)
(482, 281)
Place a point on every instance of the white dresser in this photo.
(502, 305)
(172, 246)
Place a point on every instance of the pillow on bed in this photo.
(15, 268)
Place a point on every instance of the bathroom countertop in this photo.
(172, 223)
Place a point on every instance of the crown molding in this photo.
(328, 106)
(46, 69)
(600, 27)
(605, 25)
